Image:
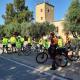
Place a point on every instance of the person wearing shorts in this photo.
(13, 42)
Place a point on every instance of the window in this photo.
(48, 10)
(41, 18)
(41, 10)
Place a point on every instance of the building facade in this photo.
(45, 12)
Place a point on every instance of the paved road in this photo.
(14, 67)
(13, 70)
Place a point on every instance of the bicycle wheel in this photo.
(73, 55)
(19, 52)
(41, 58)
(61, 60)
(26, 52)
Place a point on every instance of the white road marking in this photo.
(53, 76)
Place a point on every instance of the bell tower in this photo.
(44, 12)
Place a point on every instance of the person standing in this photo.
(52, 49)
(5, 42)
(13, 42)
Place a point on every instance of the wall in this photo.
(40, 14)
(60, 25)
(47, 12)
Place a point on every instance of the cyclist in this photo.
(22, 41)
(41, 42)
(78, 44)
(29, 41)
(52, 48)
(46, 43)
(18, 42)
(68, 39)
(25, 41)
(60, 42)
(5, 42)
(13, 42)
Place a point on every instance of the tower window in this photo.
(48, 10)
(41, 18)
(41, 10)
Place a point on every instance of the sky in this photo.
(60, 9)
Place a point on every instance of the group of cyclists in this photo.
(50, 43)
(15, 41)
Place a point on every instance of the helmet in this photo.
(19, 36)
(44, 37)
(52, 33)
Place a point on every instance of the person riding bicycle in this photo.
(5, 42)
(52, 48)
(13, 42)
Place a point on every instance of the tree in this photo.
(19, 5)
(22, 11)
(9, 13)
(39, 29)
(25, 28)
(72, 19)
(17, 12)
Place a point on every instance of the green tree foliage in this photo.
(22, 12)
(19, 5)
(17, 12)
(25, 28)
(1, 29)
(72, 19)
(18, 19)
(9, 13)
(38, 29)
(28, 29)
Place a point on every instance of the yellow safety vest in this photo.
(29, 40)
(60, 42)
(5, 41)
(12, 40)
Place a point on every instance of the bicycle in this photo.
(60, 58)
(34, 48)
(72, 52)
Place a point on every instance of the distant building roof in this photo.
(45, 3)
